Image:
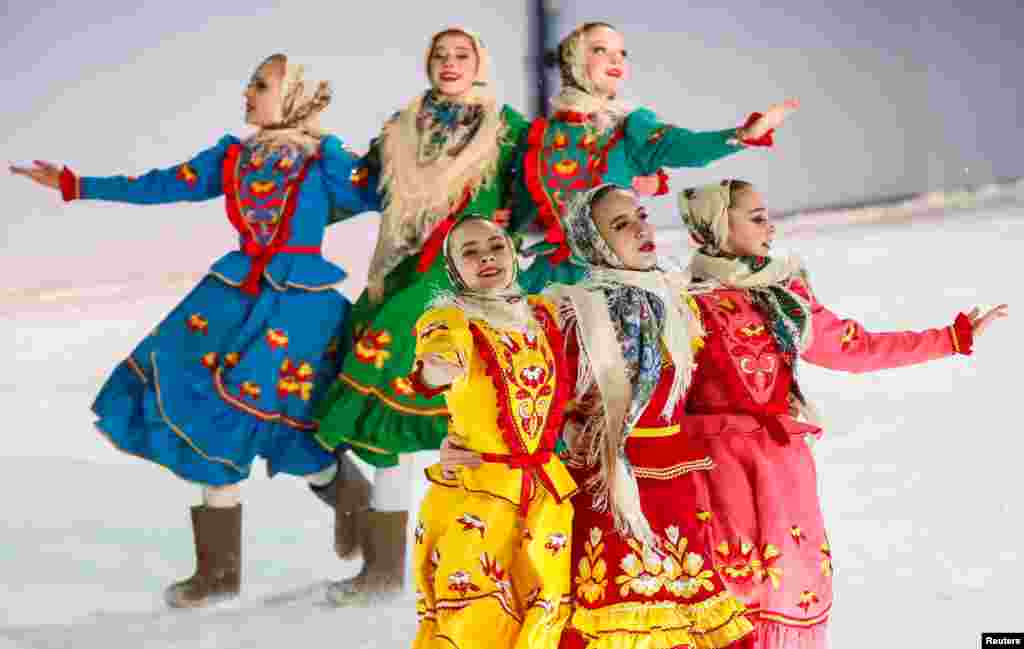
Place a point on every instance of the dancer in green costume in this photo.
(594, 138)
(449, 152)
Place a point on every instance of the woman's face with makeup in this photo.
(263, 94)
(623, 223)
(453, 64)
(750, 230)
(606, 63)
(482, 254)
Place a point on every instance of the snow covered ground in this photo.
(919, 475)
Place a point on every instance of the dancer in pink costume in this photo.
(760, 315)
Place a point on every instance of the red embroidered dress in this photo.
(671, 597)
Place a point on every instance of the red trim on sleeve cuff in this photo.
(70, 186)
(662, 183)
(420, 386)
(764, 140)
(962, 333)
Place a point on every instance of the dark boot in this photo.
(351, 494)
(383, 539)
(347, 472)
(218, 539)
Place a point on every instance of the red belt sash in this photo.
(532, 466)
(260, 257)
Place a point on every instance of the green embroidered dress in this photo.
(566, 155)
(372, 406)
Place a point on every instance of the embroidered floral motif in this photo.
(531, 385)
(726, 304)
(851, 334)
(197, 324)
(807, 599)
(262, 188)
(703, 516)
(826, 563)
(593, 570)
(556, 543)
(435, 563)
(763, 568)
(295, 379)
(187, 175)
(679, 572)
(231, 359)
(566, 168)
(686, 575)
(209, 360)
(752, 331)
(371, 348)
(461, 582)
(418, 532)
(277, 338)
(470, 522)
(659, 133)
(403, 387)
(736, 561)
(797, 534)
(250, 389)
(642, 574)
(445, 127)
(500, 577)
(741, 563)
(360, 177)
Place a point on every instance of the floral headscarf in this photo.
(433, 154)
(626, 323)
(704, 211)
(301, 105)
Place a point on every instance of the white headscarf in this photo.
(423, 184)
(578, 92)
(301, 104)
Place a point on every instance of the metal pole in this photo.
(543, 37)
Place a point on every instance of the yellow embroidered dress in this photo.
(492, 544)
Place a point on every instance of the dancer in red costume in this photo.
(760, 316)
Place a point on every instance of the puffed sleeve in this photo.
(443, 331)
(845, 345)
(351, 181)
(198, 179)
(652, 144)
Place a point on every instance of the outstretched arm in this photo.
(654, 144)
(844, 344)
(198, 179)
(351, 180)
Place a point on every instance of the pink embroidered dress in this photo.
(768, 534)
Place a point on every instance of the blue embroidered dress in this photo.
(231, 373)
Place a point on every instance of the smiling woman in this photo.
(449, 152)
(594, 138)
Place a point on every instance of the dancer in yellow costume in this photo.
(492, 544)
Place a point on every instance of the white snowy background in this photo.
(919, 468)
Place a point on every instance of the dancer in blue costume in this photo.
(232, 372)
